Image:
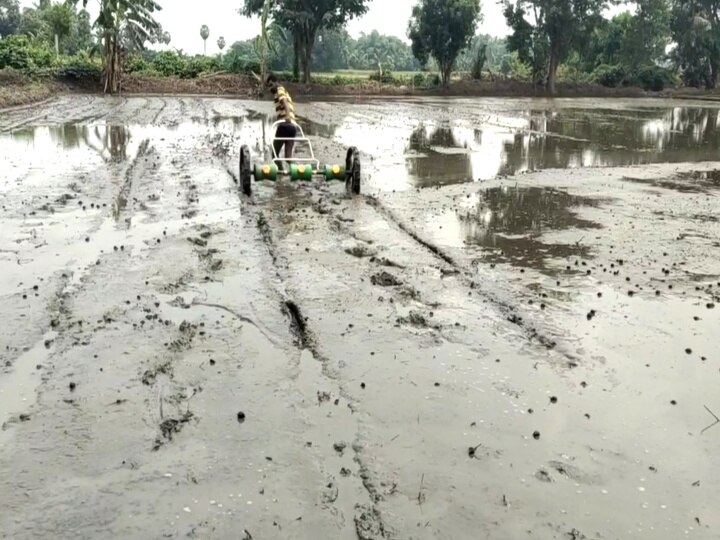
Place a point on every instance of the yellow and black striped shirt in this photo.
(284, 105)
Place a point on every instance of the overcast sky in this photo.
(183, 18)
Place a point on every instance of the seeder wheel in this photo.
(245, 170)
(352, 171)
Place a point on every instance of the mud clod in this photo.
(385, 279)
(368, 523)
(414, 318)
(241, 417)
(536, 435)
(340, 447)
(360, 251)
(171, 426)
(197, 241)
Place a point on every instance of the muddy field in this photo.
(511, 333)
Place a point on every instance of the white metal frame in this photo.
(301, 138)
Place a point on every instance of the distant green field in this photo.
(361, 74)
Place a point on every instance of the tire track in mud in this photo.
(121, 200)
(506, 308)
(94, 117)
(157, 116)
(368, 521)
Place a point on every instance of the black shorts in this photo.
(286, 130)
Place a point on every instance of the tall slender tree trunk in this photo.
(446, 69)
(552, 72)
(306, 61)
(714, 67)
(297, 50)
(308, 38)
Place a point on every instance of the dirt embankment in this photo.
(16, 90)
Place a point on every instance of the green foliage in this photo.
(545, 31)
(695, 27)
(374, 49)
(479, 62)
(649, 77)
(79, 68)
(304, 20)
(200, 64)
(385, 77)
(631, 40)
(608, 75)
(18, 52)
(9, 17)
(441, 29)
(169, 64)
(655, 78)
(426, 80)
(127, 24)
(235, 63)
(494, 48)
(173, 64)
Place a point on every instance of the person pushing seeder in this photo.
(305, 168)
(285, 110)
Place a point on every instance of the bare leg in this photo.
(277, 145)
(289, 147)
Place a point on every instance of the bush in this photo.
(169, 64)
(426, 80)
(199, 64)
(18, 52)
(607, 75)
(79, 68)
(136, 64)
(240, 64)
(335, 80)
(655, 78)
(385, 78)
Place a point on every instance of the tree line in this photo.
(652, 43)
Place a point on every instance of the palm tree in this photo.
(204, 34)
(221, 43)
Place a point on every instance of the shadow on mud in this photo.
(507, 223)
(691, 182)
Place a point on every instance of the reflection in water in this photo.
(316, 128)
(484, 144)
(508, 223)
(430, 164)
(479, 140)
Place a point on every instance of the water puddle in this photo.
(412, 143)
(482, 144)
(508, 225)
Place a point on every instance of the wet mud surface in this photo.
(531, 355)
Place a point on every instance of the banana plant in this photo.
(133, 19)
(262, 42)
